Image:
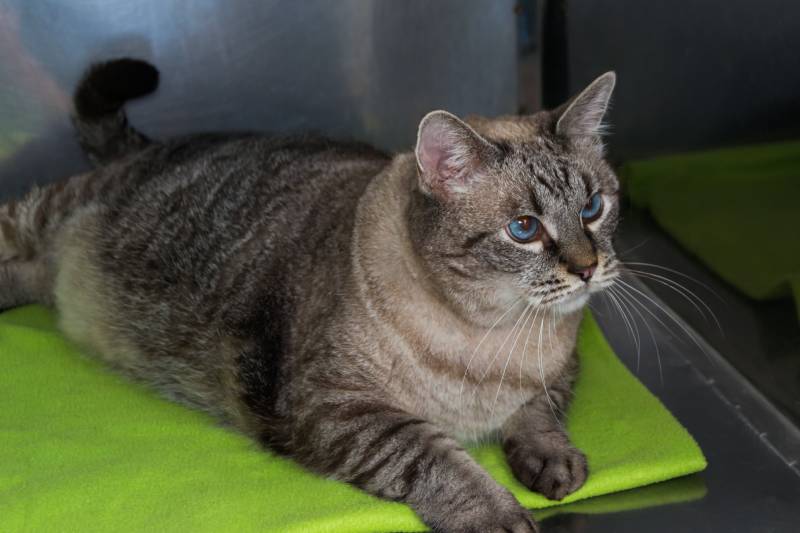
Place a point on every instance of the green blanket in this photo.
(81, 449)
(736, 209)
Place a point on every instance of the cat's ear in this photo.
(450, 154)
(583, 115)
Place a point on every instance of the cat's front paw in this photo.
(551, 470)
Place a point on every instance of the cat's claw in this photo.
(553, 473)
(516, 523)
(505, 516)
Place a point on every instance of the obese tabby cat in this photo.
(364, 314)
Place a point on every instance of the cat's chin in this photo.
(571, 303)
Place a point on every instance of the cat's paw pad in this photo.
(554, 472)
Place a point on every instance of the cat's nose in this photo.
(583, 272)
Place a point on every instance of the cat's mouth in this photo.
(572, 301)
(576, 298)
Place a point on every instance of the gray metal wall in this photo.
(359, 68)
(692, 75)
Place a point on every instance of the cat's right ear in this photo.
(450, 155)
(582, 116)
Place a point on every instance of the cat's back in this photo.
(182, 210)
(203, 234)
(233, 179)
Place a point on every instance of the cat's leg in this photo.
(24, 272)
(24, 282)
(397, 456)
(536, 444)
(29, 234)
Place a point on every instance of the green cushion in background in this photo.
(82, 449)
(736, 209)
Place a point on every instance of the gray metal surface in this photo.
(750, 487)
(363, 69)
(760, 339)
(692, 75)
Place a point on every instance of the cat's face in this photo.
(520, 206)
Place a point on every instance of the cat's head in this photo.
(521, 205)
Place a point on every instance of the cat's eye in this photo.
(524, 229)
(593, 208)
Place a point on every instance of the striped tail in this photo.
(99, 118)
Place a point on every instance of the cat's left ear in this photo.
(582, 117)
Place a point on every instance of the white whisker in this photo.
(622, 290)
(541, 372)
(551, 332)
(622, 295)
(670, 315)
(466, 370)
(637, 342)
(525, 346)
(508, 359)
(679, 273)
(684, 291)
(617, 303)
(636, 247)
(500, 348)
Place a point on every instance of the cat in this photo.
(362, 313)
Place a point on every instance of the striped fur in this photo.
(325, 299)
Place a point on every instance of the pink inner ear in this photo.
(440, 154)
(432, 147)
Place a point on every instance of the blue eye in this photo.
(593, 208)
(524, 229)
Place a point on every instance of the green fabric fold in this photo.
(82, 449)
(736, 209)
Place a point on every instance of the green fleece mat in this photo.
(736, 209)
(81, 449)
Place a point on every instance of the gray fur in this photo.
(335, 303)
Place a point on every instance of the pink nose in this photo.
(585, 273)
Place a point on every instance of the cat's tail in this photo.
(99, 117)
